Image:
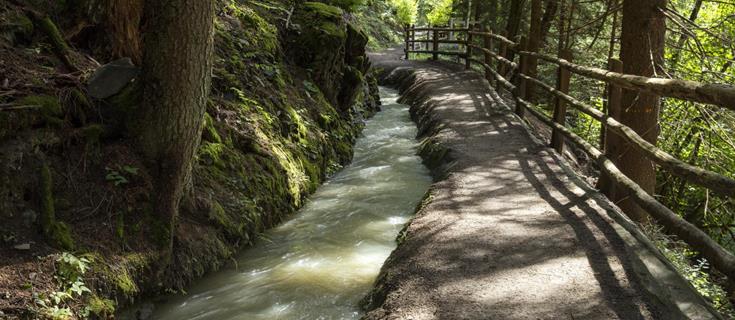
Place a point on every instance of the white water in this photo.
(320, 263)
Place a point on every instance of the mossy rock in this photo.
(101, 307)
(324, 9)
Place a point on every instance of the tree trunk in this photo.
(123, 19)
(492, 12)
(513, 26)
(534, 44)
(549, 15)
(177, 66)
(642, 49)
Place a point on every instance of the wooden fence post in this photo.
(612, 140)
(560, 107)
(407, 38)
(502, 51)
(428, 39)
(413, 37)
(435, 51)
(488, 45)
(468, 48)
(520, 92)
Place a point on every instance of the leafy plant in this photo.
(118, 177)
(406, 10)
(69, 276)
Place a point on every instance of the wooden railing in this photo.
(513, 76)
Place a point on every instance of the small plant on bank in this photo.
(121, 175)
(69, 277)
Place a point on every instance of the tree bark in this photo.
(513, 25)
(642, 49)
(177, 66)
(534, 44)
(549, 15)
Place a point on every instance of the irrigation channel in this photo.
(323, 261)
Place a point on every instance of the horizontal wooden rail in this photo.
(440, 29)
(496, 56)
(715, 94)
(439, 41)
(500, 38)
(714, 181)
(497, 76)
(721, 259)
(447, 53)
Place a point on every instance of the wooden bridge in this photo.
(459, 109)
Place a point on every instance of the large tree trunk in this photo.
(642, 49)
(123, 19)
(177, 66)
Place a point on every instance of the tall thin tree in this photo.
(177, 66)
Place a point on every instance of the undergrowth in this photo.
(693, 268)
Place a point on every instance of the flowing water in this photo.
(320, 263)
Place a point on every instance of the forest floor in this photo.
(509, 231)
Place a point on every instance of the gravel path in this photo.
(507, 232)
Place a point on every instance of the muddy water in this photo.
(319, 264)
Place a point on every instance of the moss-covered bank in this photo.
(289, 95)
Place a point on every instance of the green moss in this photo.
(210, 132)
(324, 9)
(211, 154)
(124, 282)
(53, 33)
(101, 307)
(47, 199)
(60, 235)
(120, 227)
(217, 214)
(57, 232)
(92, 133)
(49, 105)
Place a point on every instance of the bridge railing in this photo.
(512, 76)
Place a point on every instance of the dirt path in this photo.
(509, 232)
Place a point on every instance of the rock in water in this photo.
(109, 79)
